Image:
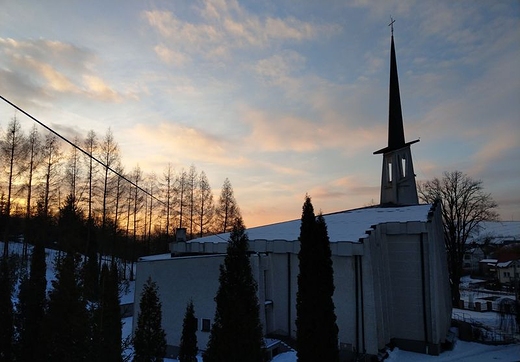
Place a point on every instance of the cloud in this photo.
(169, 140)
(97, 88)
(52, 69)
(171, 56)
(219, 27)
(277, 68)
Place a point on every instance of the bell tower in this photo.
(397, 177)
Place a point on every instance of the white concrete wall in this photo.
(179, 280)
(388, 274)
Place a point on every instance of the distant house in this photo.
(390, 266)
(508, 272)
(487, 267)
(472, 258)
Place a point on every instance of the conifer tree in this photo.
(236, 334)
(317, 332)
(6, 312)
(149, 339)
(67, 327)
(32, 301)
(188, 347)
(108, 318)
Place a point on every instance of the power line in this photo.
(80, 149)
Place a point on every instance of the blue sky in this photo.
(282, 97)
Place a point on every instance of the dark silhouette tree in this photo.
(67, 327)
(236, 333)
(168, 195)
(12, 157)
(227, 209)
(33, 160)
(6, 312)
(465, 206)
(317, 332)
(32, 302)
(149, 339)
(204, 208)
(188, 348)
(108, 317)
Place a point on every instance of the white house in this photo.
(508, 272)
(390, 266)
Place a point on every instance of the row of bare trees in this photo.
(40, 172)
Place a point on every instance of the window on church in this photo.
(389, 171)
(403, 167)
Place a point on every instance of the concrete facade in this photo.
(391, 285)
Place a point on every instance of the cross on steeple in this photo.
(391, 25)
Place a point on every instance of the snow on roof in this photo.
(504, 264)
(349, 225)
(488, 261)
(498, 231)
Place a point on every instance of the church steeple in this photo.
(398, 179)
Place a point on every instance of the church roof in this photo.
(349, 225)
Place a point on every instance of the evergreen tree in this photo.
(32, 301)
(236, 334)
(150, 338)
(317, 332)
(6, 312)
(108, 317)
(188, 347)
(67, 327)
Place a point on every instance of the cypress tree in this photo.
(32, 301)
(150, 338)
(236, 334)
(6, 312)
(188, 347)
(108, 318)
(317, 332)
(67, 327)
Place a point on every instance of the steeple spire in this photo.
(398, 178)
(395, 114)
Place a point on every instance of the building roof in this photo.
(349, 225)
(498, 232)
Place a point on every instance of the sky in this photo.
(283, 97)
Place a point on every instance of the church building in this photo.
(390, 266)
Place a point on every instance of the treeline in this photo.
(55, 193)
(72, 322)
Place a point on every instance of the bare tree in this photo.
(13, 153)
(34, 159)
(51, 157)
(227, 209)
(110, 157)
(167, 186)
(119, 192)
(464, 206)
(91, 146)
(180, 186)
(204, 207)
(191, 185)
(73, 170)
(137, 200)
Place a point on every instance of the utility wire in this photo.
(86, 153)
(80, 149)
